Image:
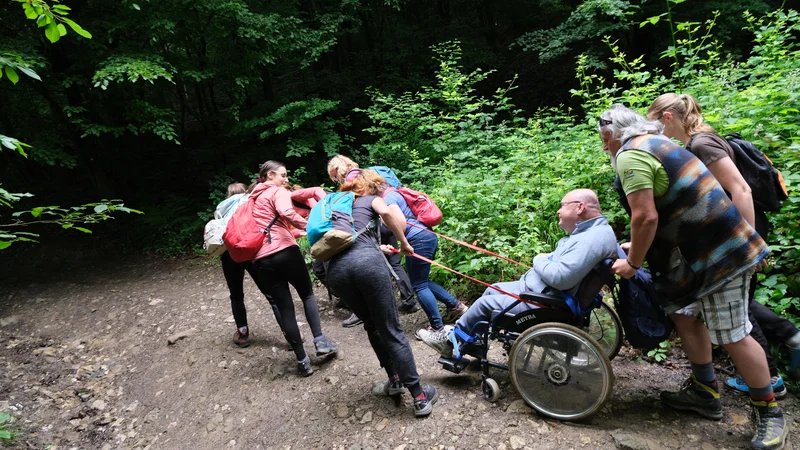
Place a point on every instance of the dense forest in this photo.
(487, 106)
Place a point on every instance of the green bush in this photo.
(498, 177)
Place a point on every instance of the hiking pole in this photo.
(468, 245)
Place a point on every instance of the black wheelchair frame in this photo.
(506, 329)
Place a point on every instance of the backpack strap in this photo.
(274, 219)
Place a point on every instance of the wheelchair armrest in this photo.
(552, 301)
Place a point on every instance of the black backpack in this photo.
(766, 182)
(644, 321)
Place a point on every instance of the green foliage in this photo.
(309, 125)
(497, 177)
(13, 144)
(52, 17)
(499, 182)
(11, 63)
(7, 433)
(591, 19)
(756, 97)
(67, 218)
(132, 69)
(447, 120)
(661, 353)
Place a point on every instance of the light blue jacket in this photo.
(226, 207)
(591, 242)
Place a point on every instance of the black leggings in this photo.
(362, 279)
(234, 276)
(768, 326)
(279, 270)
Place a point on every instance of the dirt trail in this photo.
(85, 364)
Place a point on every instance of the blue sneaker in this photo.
(778, 388)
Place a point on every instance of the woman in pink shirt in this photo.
(280, 263)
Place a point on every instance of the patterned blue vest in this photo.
(702, 241)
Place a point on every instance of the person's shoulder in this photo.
(391, 196)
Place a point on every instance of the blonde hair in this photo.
(236, 188)
(339, 165)
(367, 182)
(685, 107)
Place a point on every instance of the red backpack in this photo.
(421, 205)
(243, 238)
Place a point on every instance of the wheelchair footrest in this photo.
(454, 365)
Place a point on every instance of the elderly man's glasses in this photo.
(605, 122)
(563, 204)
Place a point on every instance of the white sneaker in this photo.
(438, 340)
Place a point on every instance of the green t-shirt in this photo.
(639, 170)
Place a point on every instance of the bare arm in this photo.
(644, 222)
(395, 221)
(725, 171)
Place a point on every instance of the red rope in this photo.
(429, 261)
(468, 245)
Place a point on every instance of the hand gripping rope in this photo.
(429, 261)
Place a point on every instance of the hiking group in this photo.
(697, 219)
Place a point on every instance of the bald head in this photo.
(589, 200)
(578, 206)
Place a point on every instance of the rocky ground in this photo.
(85, 363)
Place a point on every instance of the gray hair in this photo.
(625, 123)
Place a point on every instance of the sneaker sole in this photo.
(780, 395)
(351, 325)
(328, 353)
(703, 412)
(429, 408)
(392, 392)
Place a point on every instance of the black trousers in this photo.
(361, 278)
(234, 277)
(279, 270)
(768, 326)
(407, 292)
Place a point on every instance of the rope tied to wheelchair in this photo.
(570, 300)
(473, 279)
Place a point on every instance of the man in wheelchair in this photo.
(590, 241)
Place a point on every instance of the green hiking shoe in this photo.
(695, 396)
(771, 426)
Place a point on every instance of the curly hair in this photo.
(338, 167)
(367, 182)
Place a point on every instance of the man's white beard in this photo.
(614, 163)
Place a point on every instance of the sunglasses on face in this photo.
(604, 122)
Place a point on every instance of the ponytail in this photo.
(685, 107)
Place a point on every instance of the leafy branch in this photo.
(68, 218)
(52, 17)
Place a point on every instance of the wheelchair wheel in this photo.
(605, 326)
(491, 390)
(560, 371)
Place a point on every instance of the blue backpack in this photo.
(330, 226)
(644, 321)
(387, 175)
(383, 171)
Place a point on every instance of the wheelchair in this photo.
(558, 355)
